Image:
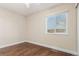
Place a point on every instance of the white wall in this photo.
(12, 27)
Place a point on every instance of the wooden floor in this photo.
(29, 49)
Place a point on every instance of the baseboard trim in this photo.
(56, 48)
(11, 44)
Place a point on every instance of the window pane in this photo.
(51, 30)
(51, 23)
(60, 30)
(61, 21)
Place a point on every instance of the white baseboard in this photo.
(57, 48)
(7, 45)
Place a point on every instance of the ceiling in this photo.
(22, 9)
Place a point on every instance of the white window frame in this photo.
(46, 31)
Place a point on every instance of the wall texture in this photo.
(12, 27)
(36, 28)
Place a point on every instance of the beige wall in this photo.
(12, 27)
(78, 27)
(36, 28)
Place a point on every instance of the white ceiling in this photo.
(22, 9)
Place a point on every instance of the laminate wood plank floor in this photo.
(29, 49)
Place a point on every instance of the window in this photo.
(57, 24)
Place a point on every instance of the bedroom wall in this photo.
(12, 27)
(78, 27)
(36, 29)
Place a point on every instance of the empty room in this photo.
(38, 29)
